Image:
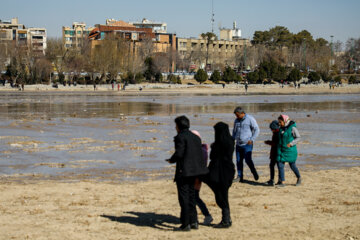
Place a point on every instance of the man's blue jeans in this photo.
(244, 152)
(293, 167)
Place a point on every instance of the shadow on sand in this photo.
(254, 183)
(149, 219)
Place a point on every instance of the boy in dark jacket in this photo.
(274, 126)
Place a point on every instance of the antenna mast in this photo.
(212, 16)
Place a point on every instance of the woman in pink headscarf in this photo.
(289, 136)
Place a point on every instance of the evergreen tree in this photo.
(201, 76)
(215, 76)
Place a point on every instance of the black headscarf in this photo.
(222, 135)
(221, 166)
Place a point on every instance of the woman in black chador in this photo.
(222, 170)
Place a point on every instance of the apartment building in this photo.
(137, 37)
(157, 27)
(12, 32)
(75, 36)
(37, 40)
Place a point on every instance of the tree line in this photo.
(275, 55)
(114, 59)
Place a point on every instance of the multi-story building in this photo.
(75, 36)
(217, 52)
(156, 27)
(228, 34)
(33, 39)
(37, 40)
(136, 36)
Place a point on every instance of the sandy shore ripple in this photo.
(326, 206)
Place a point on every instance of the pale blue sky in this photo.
(189, 18)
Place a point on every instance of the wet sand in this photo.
(326, 206)
(91, 166)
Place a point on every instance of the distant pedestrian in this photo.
(289, 136)
(22, 86)
(223, 85)
(94, 86)
(299, 85)
(112, 85)
(246, 87)
(118, 86)
(245, 132)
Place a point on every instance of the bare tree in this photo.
(56, 53)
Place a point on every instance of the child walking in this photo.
(289, 136)
(208, 218)
(274, 126)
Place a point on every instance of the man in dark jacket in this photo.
(190, 164)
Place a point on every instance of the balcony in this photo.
(37, 40)
(38, 33)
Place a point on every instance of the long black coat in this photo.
(221, 167)
(188, 155)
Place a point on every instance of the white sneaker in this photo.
(208, 220)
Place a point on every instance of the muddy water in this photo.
(83, 135)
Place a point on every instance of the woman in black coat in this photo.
(222, 170)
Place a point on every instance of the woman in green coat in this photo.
(287, 151)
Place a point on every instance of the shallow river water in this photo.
(87, 135)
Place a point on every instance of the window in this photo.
(37, 37)
(3, 34)
(69, 32)
(22, 35)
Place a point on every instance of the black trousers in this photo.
(186, 195)
(272, 164)
(222, 199)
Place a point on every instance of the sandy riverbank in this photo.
(326, 206)
(195, 89)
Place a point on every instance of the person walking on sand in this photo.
(245, 132)
(289, 136)
(221, 171)
(199, 202)
(274, 126)
(190, 165)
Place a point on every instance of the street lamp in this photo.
(304, 54)
(332, 62)
(245, 56)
